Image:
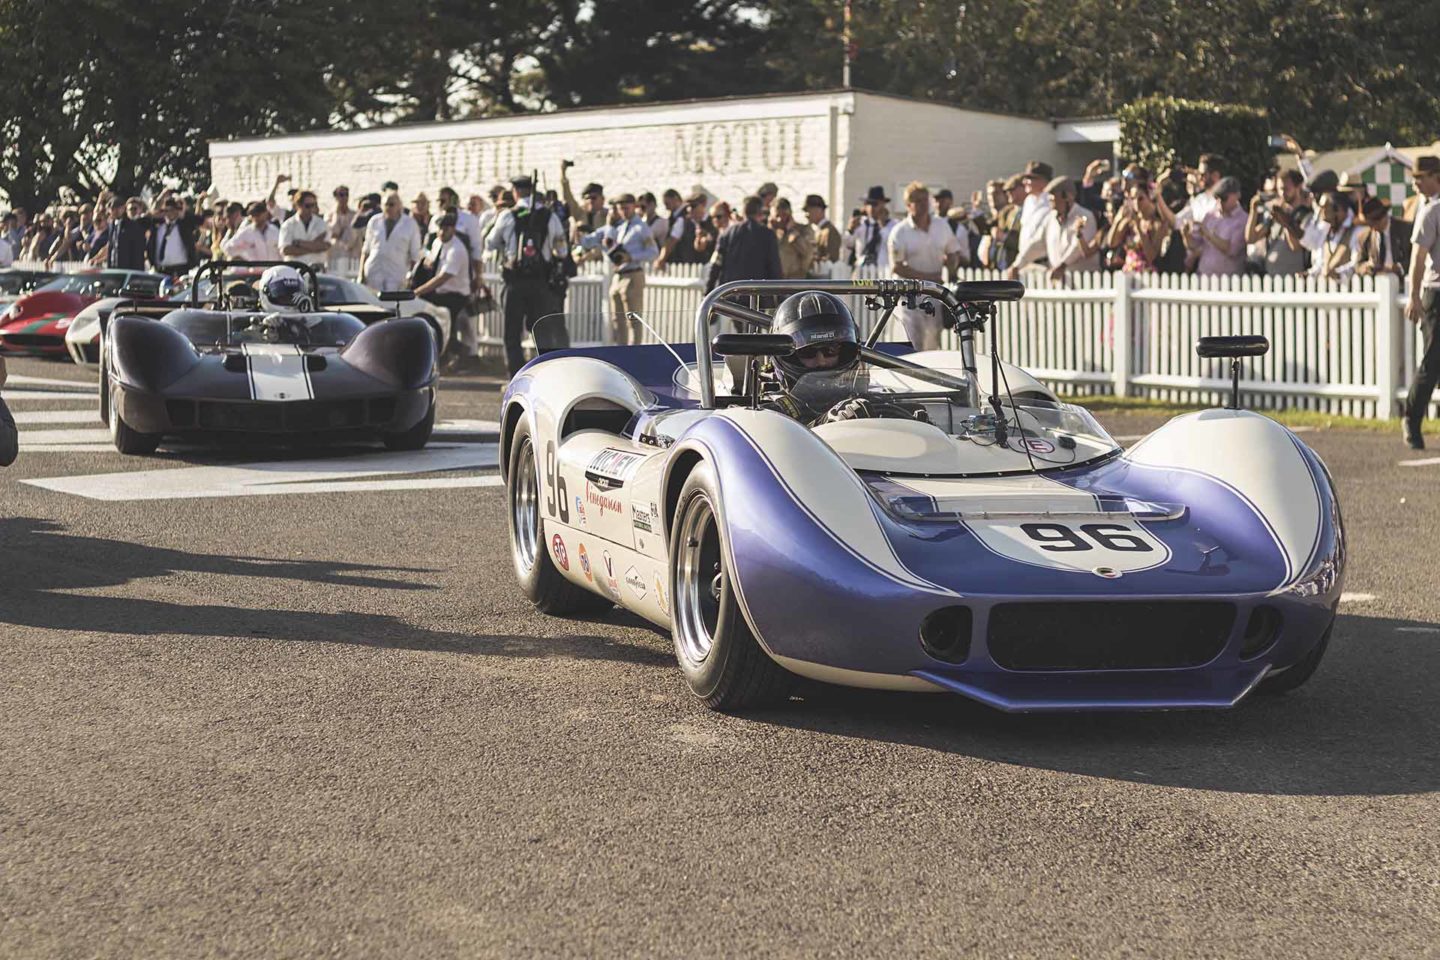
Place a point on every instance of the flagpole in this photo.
(845, 39)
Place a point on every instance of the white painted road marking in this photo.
(57, 416)
(42, 439)
(286, 477)
(17, 379)
(1418, 629)
(1356, 597)
(11, 396)
(1423, 462)
(452, 427)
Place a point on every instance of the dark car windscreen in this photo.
(86, 284)
(20, 281)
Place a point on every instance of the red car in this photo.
(36, 323)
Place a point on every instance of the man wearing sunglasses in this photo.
(305, 237)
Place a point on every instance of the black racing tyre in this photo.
(719, 657)
(539, 580)
(416, 437)
(104, 392)
(128, 440)
(1302, 671)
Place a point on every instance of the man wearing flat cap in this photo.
(1031, 242)
(587, 213)
(1423, 303)
(827, 235)
(530, 239)
(628, 245)
(681, 231)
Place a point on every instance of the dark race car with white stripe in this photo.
(219, 368)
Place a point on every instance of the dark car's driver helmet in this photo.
(282, 290)
(823, 331)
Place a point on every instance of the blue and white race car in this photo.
(931, 521)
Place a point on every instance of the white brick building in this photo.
(836, 144)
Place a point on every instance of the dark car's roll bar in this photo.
(218, 267)
(715, 303)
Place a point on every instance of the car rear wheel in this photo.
(416, 437)
(546, 587)
(718, 655)
(128, 440)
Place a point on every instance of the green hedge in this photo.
(1157, 131)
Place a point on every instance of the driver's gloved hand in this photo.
(855, 409)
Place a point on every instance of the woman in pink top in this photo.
(1138, 230)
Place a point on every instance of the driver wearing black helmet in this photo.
(827, 348)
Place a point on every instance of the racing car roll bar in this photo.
(715, 302)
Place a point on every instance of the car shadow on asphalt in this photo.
(1366, 724)
(45, 565)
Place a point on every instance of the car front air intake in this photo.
(1109, 635)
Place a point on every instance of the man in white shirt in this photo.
(1337, 254)
(921, 247)
(305, 236)
(467, 228)
(392, 245)
(1203, 201)
(1068, 236)
(450, 287)
(867, 237)
(345, 239)
(258, 240)
(1033, 210)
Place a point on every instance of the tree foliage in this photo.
(1160, 131)
(119, 93)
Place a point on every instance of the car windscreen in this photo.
(215, 328)
(336, 290)
(20, 281)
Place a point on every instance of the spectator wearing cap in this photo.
(345, 240)
(587, 213)
(531, 240)
(258, 240)
(680, 234)
(306, 236)
(795, 241)
(1031, 242)
(826, 234)
(450, 287)
(1069, 235)
(1216, 245)
(1422, 306)
(1003, 248)
(1383, 245)
(869, 231)
(391, 247)
(921, 247)
(1279, 222)
(629, 245)
(747, 250)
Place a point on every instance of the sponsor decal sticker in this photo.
(610, 468)
(580, 510)
(642, 518)
(585, 563)
(558, 547)
(597, 499)
(635, 582)
(1037, 445)
(660, 595)
(610, 580)
(822, 335)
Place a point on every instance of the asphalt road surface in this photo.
(309, 713)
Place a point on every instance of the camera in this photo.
(566, 164)
(617, 257)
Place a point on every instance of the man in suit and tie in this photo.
(869, 233)
(172, 239)
(1383, 246)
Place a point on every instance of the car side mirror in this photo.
(397, 296)
(753, 345)
(1250, 345)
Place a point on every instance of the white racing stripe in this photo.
(277, 372)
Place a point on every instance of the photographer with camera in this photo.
(628, 245)
(535, 265)
(586, 214)
(1280, 221)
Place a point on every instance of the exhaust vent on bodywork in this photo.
(945, 634)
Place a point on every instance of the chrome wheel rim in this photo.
(525, 507)
(699, 581)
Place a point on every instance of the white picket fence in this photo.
(1335, 347)
(1341, 348)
